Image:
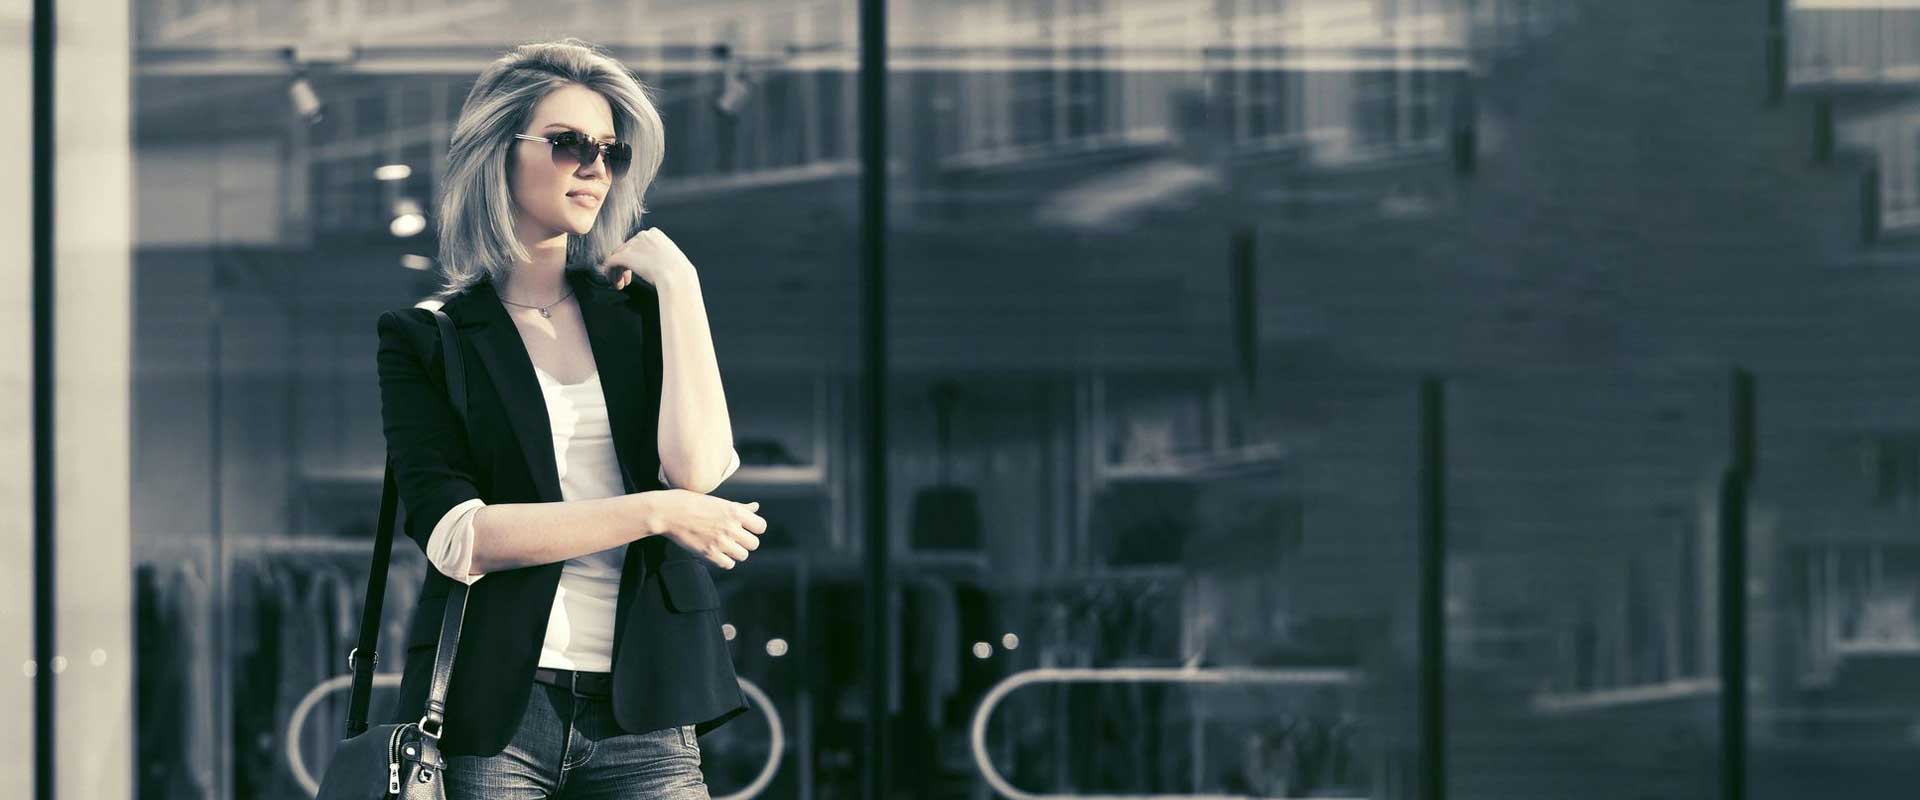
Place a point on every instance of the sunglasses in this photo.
(572, 149)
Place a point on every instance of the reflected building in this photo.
(1164, 280)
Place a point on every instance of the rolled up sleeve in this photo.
(450, 547)
(732, 467)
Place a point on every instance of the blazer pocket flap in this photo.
(689, 587)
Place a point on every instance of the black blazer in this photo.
(671, 665)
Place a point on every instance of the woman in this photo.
(591, 655)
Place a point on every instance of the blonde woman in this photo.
(591, 656)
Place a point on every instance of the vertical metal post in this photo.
(43, 378)
(1733, 589)
(1433, 589)
(1776, 51)
(873, 331)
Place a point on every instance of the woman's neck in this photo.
(541, 279)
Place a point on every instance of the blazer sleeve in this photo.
(432, 466)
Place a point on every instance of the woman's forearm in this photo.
(695, 433)
(512, 535)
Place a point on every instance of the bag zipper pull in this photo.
(393, 778)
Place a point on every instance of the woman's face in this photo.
(550, 199)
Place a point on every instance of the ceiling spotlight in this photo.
(305, 101)
(392, 172)
(408, 219)
(415, 261)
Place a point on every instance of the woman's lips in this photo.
(584, 199)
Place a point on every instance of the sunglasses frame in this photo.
(604, 154)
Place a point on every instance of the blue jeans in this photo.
(569, 748)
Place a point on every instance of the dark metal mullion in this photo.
(1433, 556)
(1776, 55)
(43, 365)
(873, 329)
(1733, 589)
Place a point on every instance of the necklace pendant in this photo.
(546, 313)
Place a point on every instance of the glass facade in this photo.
(1281, 398)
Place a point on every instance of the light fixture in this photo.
(1010, 642)
(306, 102)
(776, 647)
(982, 650)
(415, 261)
(408, 219)
(392, 172)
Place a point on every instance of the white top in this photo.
(580, 625)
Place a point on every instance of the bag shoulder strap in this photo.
(362, 666)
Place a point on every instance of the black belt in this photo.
(585, 684)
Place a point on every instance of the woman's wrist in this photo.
(674, 278)
(645, 507)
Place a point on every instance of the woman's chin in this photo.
(579, 227)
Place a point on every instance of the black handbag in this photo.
(398, 760)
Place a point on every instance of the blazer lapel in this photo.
(504, 355)
(616, 336)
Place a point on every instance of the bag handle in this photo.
(456, 610)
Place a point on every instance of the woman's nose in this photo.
(595, 168)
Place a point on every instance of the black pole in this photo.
(1433, 589)
(1733, 595)
(873, 286)
(43, 365)
(1776, 51)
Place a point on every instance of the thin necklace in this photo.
(543, 309)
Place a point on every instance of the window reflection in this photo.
(1163, 279)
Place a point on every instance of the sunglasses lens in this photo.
(619, 157)
(567, 149)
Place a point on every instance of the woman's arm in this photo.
(695, 433)
(512, 535)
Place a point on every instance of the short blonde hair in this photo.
(477, 238)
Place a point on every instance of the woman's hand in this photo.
(650, 256)
(721, 531)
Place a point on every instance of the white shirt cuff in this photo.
(450, 546)
(732, 467)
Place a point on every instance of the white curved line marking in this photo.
(1226, 675)
(299, 718)
(776, 745)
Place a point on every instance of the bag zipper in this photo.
(393, 760)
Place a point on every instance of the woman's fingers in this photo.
(754, 523)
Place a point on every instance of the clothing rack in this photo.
(272, 614)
